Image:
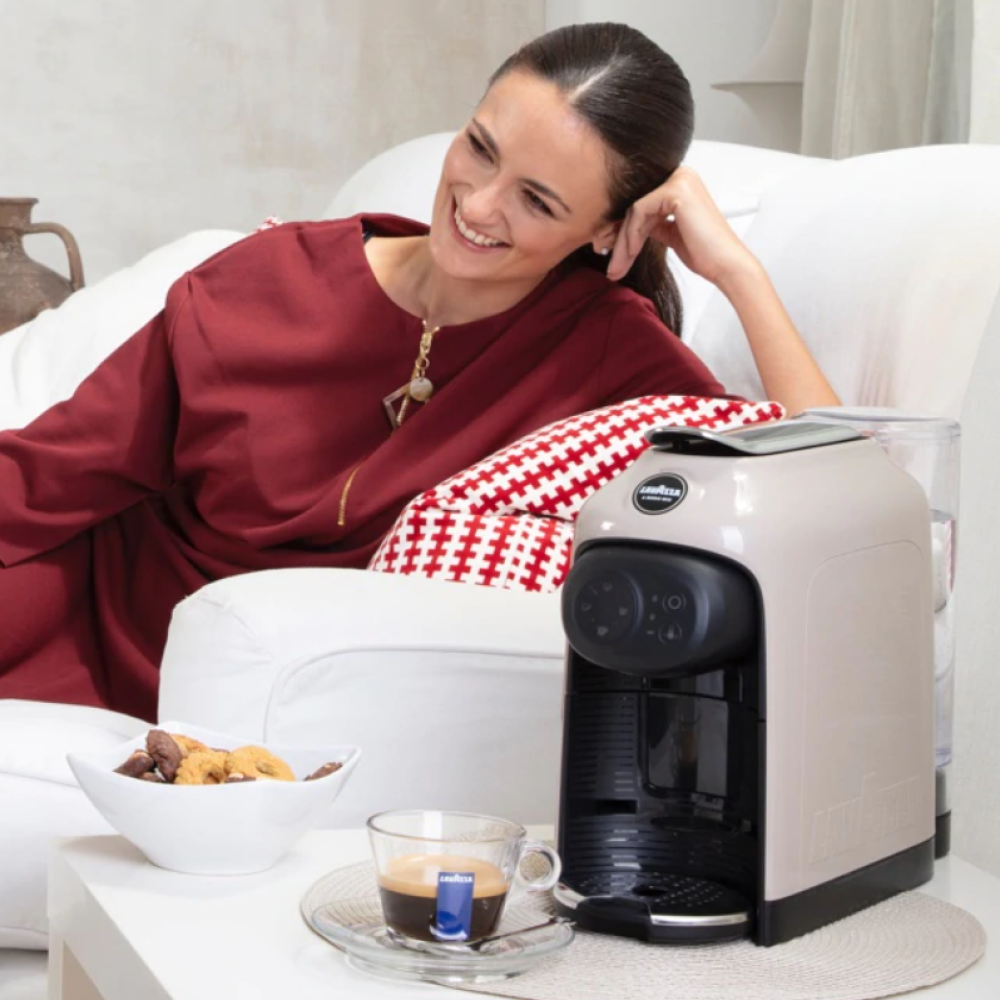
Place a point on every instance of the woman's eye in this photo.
(478, 148)
(536, 203)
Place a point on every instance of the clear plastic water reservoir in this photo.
(928, 449)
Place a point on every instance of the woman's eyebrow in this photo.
(534, 185)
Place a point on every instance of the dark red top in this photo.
(223, 437)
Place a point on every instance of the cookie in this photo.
(321, 772)
(138, 764)
(202, 767)
(188, 744)
(256, 762)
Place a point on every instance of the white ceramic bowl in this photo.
(233, 829)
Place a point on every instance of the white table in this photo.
(122, 929)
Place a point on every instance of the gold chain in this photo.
(419, 367)
(424, 357)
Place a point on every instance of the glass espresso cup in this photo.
(446, 876)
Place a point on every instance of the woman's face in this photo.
(524, 185)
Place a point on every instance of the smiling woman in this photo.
(301, 387)
(572, 160)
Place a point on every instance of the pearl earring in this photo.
(604, 251)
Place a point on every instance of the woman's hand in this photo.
(682, 215)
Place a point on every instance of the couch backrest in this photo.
(889, 265)
(401, 180)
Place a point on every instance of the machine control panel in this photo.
(608, 609)
(657, 610)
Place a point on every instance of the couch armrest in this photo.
(40, 800)
(453, 692)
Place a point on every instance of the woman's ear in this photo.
(604, 240)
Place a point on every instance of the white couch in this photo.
(889, 264)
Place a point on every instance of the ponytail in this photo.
(649, 276)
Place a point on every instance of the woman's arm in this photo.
(681, 215)
(787, 370)
(93, 455)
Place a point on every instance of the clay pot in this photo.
(27, 287)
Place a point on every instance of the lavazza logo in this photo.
(659, 494)
(880, 809)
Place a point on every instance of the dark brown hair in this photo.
(639, 102)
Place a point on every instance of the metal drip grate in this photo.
(665, 894)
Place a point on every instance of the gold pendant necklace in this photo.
(419, 388)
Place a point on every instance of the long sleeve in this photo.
(97, 453)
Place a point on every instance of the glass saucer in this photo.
(343, 907)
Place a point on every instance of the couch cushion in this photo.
(42, 801)
(42, 362)
(508, 521)
(736, 177)
(890, 283)
(402, 180)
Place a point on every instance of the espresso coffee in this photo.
(408, 886)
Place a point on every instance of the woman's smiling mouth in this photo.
(470, 237)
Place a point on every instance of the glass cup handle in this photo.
(548, 880)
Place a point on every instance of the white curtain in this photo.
(884, 74)
(985, 85)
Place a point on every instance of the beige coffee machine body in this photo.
(749, 723)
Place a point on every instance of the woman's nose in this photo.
(482, 205)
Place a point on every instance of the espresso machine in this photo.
(748, 746)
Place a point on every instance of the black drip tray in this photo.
(656, 906)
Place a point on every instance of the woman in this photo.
(300, 387)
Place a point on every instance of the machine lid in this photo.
(886, 423)
(765, 439)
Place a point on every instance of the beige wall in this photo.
(713, 41)
(134, 123)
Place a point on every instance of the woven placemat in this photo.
(908, 942)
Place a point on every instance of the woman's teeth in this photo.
(472, 236)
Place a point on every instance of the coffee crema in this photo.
(408, 886)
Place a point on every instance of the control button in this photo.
(675, 602)
(671, 633)
(606, 608)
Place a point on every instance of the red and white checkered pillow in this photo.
(508, 520)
